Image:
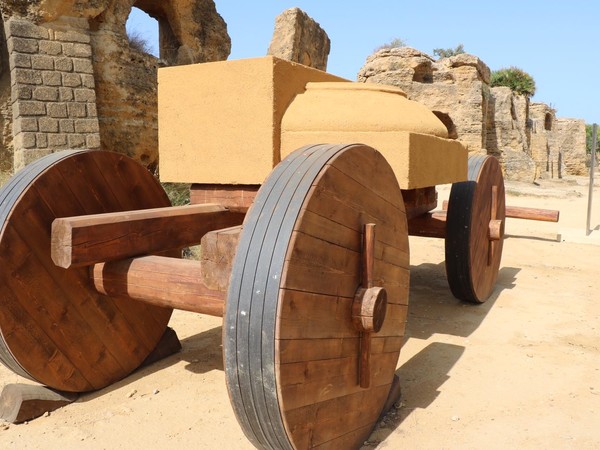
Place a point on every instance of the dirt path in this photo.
(520, 371)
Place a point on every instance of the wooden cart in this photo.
(318, 275)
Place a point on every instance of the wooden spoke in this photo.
(290, 344)
(54, 327)
(474, 230)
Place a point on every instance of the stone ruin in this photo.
(526, 137)
(70, 79)
(299, 38)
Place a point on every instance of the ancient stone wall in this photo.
(456, 88)
(54, 101)
(542, 120)
(508, 133)
(298, 38)
(495, 121)
(568, 140)
(78, 83)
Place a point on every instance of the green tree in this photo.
(589, 138)
(394, 43)
(516, 79)
(448, 52)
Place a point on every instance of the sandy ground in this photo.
(520, 371)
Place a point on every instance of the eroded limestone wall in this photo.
(126, 81)
(6, 147)
(495, 121)
(78, 83)
(456, 88)
(542, 120)
(569, 140)
(509, 134)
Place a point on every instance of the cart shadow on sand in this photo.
(433, 310)
(202, 353)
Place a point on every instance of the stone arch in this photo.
(548, 122)
(448, 123)
(126, 79)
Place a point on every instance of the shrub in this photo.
(179, 193)
(394, 43)
(516, 79)
(589, 141)
(448, 52)
(138, 42)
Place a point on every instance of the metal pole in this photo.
(588, 231)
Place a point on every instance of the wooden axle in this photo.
(433, 224)
(521, 212)
(169, 282)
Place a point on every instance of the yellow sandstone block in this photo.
(411, 138)
(220, 122)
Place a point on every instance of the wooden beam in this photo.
(428, 225)
(543, 215)
(87, 240)
(169, 282)
(521, 212)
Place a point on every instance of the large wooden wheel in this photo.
(475, 229)
(54, 328)
(291, 350)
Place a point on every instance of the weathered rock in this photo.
(569, 139)
(542, 120)
(455, 88)
(488, 120)
(299, 38)
(508, 113)
(517, 165)
(78, 83)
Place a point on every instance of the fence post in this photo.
(588, 231)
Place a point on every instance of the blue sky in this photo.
(557, 42)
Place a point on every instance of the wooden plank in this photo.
(218, 252)
(167, 282)
(351, 206)
(419, 201)
(360, 164)
(86, 240)
(237, 197)
(304, 382)
(296, 350)
(23, 402)
(321, 422)
(340, 235)
(299, 321)
(428, 225)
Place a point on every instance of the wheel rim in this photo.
(290, 350)
(472, 257)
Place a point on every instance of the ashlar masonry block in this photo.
(220, 122)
